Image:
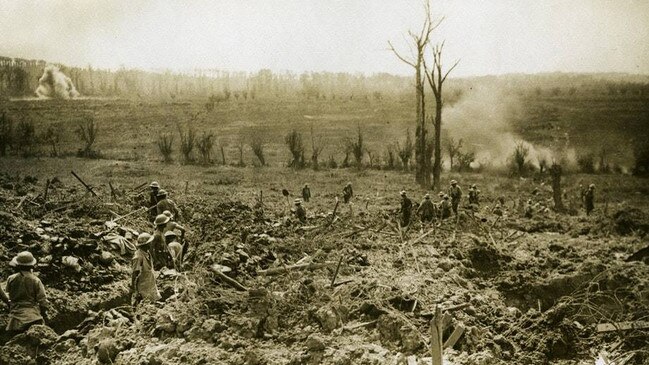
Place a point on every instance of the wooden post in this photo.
(186, 187)
(333, 280)
(112, 190)
(436, 332)
(47, 188)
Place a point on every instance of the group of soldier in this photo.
(448, 204)
(166, 246)
(159, 249)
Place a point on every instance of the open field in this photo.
(129, 129)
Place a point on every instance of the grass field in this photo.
(129, 129)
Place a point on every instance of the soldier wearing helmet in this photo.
(27, 300)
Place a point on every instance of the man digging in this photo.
(27, 300)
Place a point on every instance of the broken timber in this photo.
(280, 270)
(84, 183)
(622, 326)
(228, 280)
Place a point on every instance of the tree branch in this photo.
(399, 56)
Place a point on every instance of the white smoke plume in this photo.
(483, 118)
(55, 84)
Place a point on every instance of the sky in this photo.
(488, 37)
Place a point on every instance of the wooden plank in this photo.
(436, 333)
(622, 326)
(454, 337)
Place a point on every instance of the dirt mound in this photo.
(631, 220)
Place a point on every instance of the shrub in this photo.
(316, 150)
(332, 164)
(205, 145)
(294, 143)
(464, 160)
(357, 148)
(52, 137)
(257, 146)
(390, 158)
(519, 158)
(240, 147)
(187, 143)
(6, 133)
(165, 146)
(641, 156)
(25, 137)
(586, 163)
(405, 152)
(87, 130)
(454, 149)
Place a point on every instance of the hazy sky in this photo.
(490, 37)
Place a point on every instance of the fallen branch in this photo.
(84, 183)
(280, 270)
(358, 325)
(228, 280)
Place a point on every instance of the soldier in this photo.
(529, 209)
(426, 210)
(27, 300)
(455, 193)
(172, 225)
(474, 195)
(444, 207)
(589, 199)
(175, 248)
(160, 254)
(165, 203)
(348, 193)
(143, 284)
(406, 209)
(153, 200)
(306, 193)
(299, 211)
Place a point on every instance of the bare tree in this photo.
(405, 152)
(187, 142)
(52, 136)
(87, 131)
(436, 78)
(6, 133)
(165, 146)
(294, 143)
(357, 148)
(205, 146)
(316, 149)
(453, 148)
(419, 43)
(240, 147)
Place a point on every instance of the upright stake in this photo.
(436, 343)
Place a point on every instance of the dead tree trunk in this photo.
(436, 78)
(420, 42)
(556, 172)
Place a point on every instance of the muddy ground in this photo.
(524, 290)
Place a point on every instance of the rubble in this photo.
(262, 290)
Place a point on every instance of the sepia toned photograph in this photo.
(337, 182)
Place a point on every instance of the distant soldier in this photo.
(159, 251)
(153, 200)
(529, 209)
(306, 193)
(299, 211)
(455, 193)
(589, 199)
(474, 195)
(348, 193)
(165, 203)
(426, 210)
(27, 299)
(406, 209)
(445, 207)
(143, 284)
(175, 248)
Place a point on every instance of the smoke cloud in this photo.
(483, 118)
(55, 84)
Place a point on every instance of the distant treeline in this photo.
(19, 78)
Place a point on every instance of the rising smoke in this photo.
(483, 118)
(55, 84)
